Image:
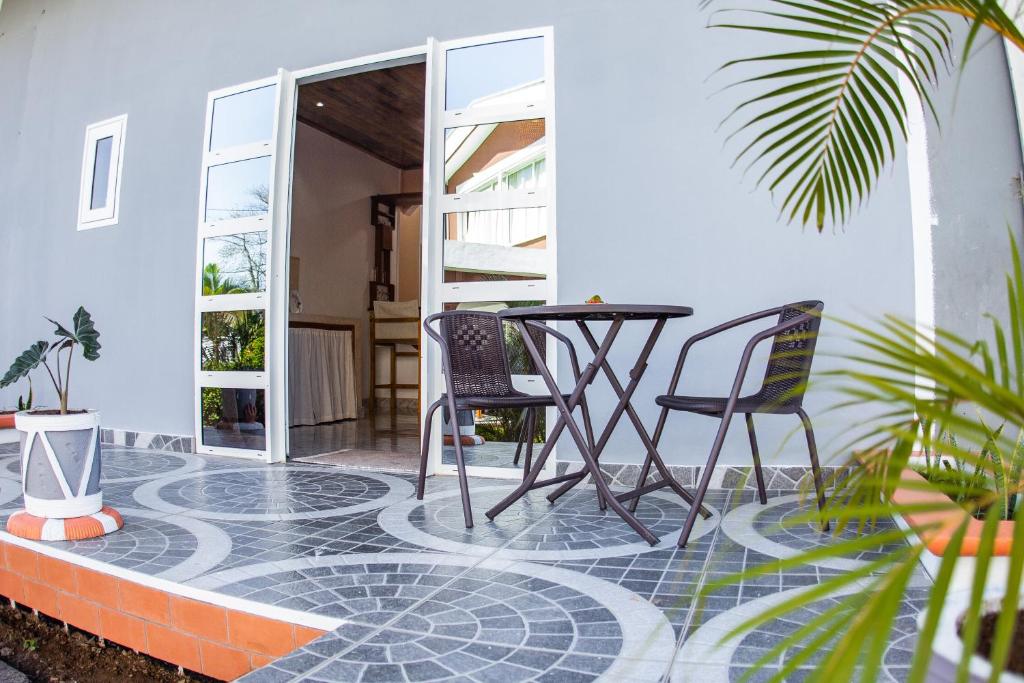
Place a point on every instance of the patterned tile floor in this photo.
(545, 593)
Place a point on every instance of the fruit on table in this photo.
(596, 299)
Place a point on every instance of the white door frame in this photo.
(277, 351)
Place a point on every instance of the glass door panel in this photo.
(234, 268)
(491, 240)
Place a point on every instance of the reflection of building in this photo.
(506, 244)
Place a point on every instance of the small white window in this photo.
(101, 173)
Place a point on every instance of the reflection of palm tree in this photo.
(214, 283)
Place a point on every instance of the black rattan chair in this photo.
(477, 375)
(782, 393)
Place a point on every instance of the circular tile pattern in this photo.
(532, 529)
(770, 529)
(435, 607)
(723, 660)
(285, 493)
(10, 466)
(173, 548)
(10, 491)
(133, 464)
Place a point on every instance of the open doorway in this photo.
(354, 275)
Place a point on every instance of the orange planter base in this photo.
(6, 420)
(29, 526)
(937, 527)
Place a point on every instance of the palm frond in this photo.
(823, 115)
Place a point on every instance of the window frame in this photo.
(108, 214)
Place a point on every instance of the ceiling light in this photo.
(319, 104)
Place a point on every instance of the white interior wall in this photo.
(331, 234)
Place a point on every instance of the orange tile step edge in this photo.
(214, 640)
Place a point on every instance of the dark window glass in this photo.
(101, 173)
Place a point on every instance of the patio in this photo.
(404, 592)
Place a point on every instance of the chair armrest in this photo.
(710, 332)
(748, 352)
(573, 358)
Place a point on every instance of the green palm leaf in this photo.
(820, 123)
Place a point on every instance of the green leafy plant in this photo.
(26, 403)
(972, 486)
(824, 110)
(82, 333)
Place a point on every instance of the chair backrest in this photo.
(520, 361)
(789, 365)
(477, 364)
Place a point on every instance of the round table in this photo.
(590, 451)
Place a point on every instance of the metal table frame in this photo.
(616, 314)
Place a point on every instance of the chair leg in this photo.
(531, 428)
(421, 485)
(460, 464)
(520, 439)
(758, 474)
(705, 480)
(819, 487)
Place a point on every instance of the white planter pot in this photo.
(60, 464)
(947, 649)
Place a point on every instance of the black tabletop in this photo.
(597, 312)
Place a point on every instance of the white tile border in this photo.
(739, 526)
(706, 656)
(394, 520)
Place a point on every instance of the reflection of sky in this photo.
(243, 118)
(231, 189)
(474, 72)
(232, 255)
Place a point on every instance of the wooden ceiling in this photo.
(380, 112)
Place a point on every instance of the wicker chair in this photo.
(477, 376)
(782, 392)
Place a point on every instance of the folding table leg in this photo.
(574, 429)
(652, 451)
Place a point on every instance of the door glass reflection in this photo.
(234, 418)
(240, 189)
(495, 74)
(243, 118)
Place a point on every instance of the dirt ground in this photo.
(41, 649)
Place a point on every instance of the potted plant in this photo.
(60, 451)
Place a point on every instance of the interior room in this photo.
(354, 269)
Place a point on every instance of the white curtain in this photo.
(321, 376)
